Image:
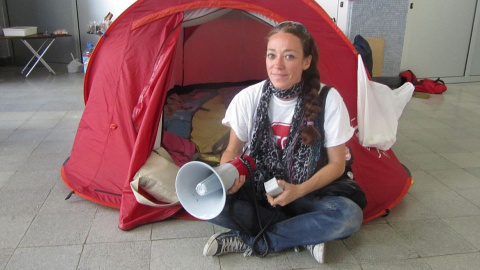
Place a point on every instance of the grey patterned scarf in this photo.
(297, 162)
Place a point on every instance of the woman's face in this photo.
(285, 60)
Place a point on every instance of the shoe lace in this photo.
(233, 244)
(248, 252)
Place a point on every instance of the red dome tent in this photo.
(156, 44)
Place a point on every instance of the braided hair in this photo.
(311, 77)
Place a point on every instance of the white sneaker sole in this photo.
(319, 252)
(208, 245)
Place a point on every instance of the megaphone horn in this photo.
(202, 189)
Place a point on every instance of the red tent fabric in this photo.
(156, 44)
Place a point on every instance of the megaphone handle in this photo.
(246, 162)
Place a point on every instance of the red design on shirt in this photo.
(281, 130)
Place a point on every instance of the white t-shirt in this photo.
(241, 113)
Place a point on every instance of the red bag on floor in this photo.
(431, 86)
(408, 76)
(426, 85)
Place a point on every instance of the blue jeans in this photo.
(307, 221)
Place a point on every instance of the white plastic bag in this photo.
(378, 110)
(75, 65)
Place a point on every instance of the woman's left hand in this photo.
(290, 193)
(239, 182)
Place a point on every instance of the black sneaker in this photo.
(226, 242)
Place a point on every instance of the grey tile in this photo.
(430, 161)
(473, 144)
(58, 229)
(61, 134)
(378, 220)
(421, 134)
(62, 148)
(47, 115)
(5, 254)
(458, 261)
(409, 209)
(64, 257)
(4, 177)
(410, 264)
(446, 203)
(184, 254)
(177, 228)
(471, 195)
(41, 163)
(15, 116)
(4, 133)
(409, 148)
(423, 181)
(452, 134)
(406, 123)
(56, 202)
(105, 229)
(378, 243)
(468, 227)
(13, 229)
(441, 146)
(13, 199)
(43, 120)
(9, 125)
(125, 255)
(426, 122)
(474, 171)
(70, 120)
(274, 261)
(463, 160)
(11, 162)
(456, 179)
(432, 237)
(407, 163)
(10, 148)
(63, 103)
(473, 130)
(28, 135)
(21, 105)
(454, 123)
(29, 182)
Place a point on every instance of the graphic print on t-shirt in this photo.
(281, 130)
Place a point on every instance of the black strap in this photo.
(263, 228)
(440, 81)
(321, 121)
(69, 195)
(323, 100)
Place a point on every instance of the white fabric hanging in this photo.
(378, 110)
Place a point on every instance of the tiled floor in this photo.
(436, 226)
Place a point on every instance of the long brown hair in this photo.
(310, 77)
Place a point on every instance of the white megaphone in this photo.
(202, 189)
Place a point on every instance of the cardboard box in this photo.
(377, 44)
(20, 31)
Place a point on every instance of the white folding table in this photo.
(37, 53)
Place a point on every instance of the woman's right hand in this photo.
(239, 182)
